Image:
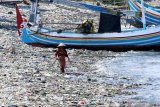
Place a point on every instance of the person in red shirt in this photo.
(61, 55)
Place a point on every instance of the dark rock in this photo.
(38, 78)
(44, 94)
(43, 81)
(1, 47)
(24, 106)
(89, 79)
(12, 106)
(30, 80)
(10, 12)
(44, 56)
(37, 71)
(94, 80)
(36, 91)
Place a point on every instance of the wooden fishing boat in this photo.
(152, 13)
(108, 37)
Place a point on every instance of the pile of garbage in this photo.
(30, 76)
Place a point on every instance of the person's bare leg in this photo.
(62, 64)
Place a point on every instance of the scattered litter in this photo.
(30, 78)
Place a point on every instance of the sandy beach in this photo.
(30, 77)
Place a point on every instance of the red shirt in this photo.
(61, 52)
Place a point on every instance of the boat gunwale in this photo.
(98, 38)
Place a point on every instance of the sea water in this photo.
(142, 68)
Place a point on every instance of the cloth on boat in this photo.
(109, 23)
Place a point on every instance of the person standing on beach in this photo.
(61, 55)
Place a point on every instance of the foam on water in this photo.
(141, 68)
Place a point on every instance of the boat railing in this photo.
(133, 30)
(138, 29)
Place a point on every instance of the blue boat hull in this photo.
(146, 41)
(152, 15)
